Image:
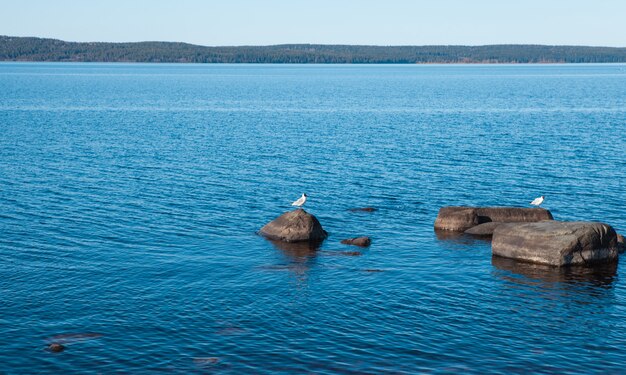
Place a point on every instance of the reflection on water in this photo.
(449, 235)
(459, 238)
(297, 250)
(301, 256)
(600, 275)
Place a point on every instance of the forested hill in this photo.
(38, 49)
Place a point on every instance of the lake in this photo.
(130, 197)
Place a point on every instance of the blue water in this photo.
(130, 195)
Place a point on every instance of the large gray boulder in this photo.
(294, 226)
(462, 218)
(556, 243)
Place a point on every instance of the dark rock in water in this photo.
(621, 244)
(363, 209)
(55, 347)
(484, 229)
(294, 226)
(556, 243)
(358, 241)
(461, 218)
(456, 218)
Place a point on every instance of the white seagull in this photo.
(300, 202)
(538, 201)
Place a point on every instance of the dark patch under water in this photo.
(130, 195)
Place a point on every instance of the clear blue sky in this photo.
(261, 22)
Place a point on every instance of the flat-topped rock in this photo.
(513, 214)
(556, 243)
(458, 219)
(462, 218)
(294, 226)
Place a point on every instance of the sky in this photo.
(264, 22)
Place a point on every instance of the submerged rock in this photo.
(294, 226)
(358, 241)
(556, 243)
(206, 360)
(343, 253)
(363, 209)
(484, 229)
(462, 218)
(55, 347)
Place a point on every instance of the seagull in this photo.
(300, 202)
(538, 201)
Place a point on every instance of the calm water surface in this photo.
(130, 195)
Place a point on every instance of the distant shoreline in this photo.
(310, 64)
(30, 49)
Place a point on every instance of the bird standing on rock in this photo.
(300, 202)
(538, 201)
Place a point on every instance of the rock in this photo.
(358, 241)
(556, 243)
(484, 229)
(513, 214)
(621, 244)
(294, 226)
(457, 219)
(55, 347)
(461, 218)
(363, 209)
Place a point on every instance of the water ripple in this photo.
(130, 196)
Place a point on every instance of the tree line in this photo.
(40, 49)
